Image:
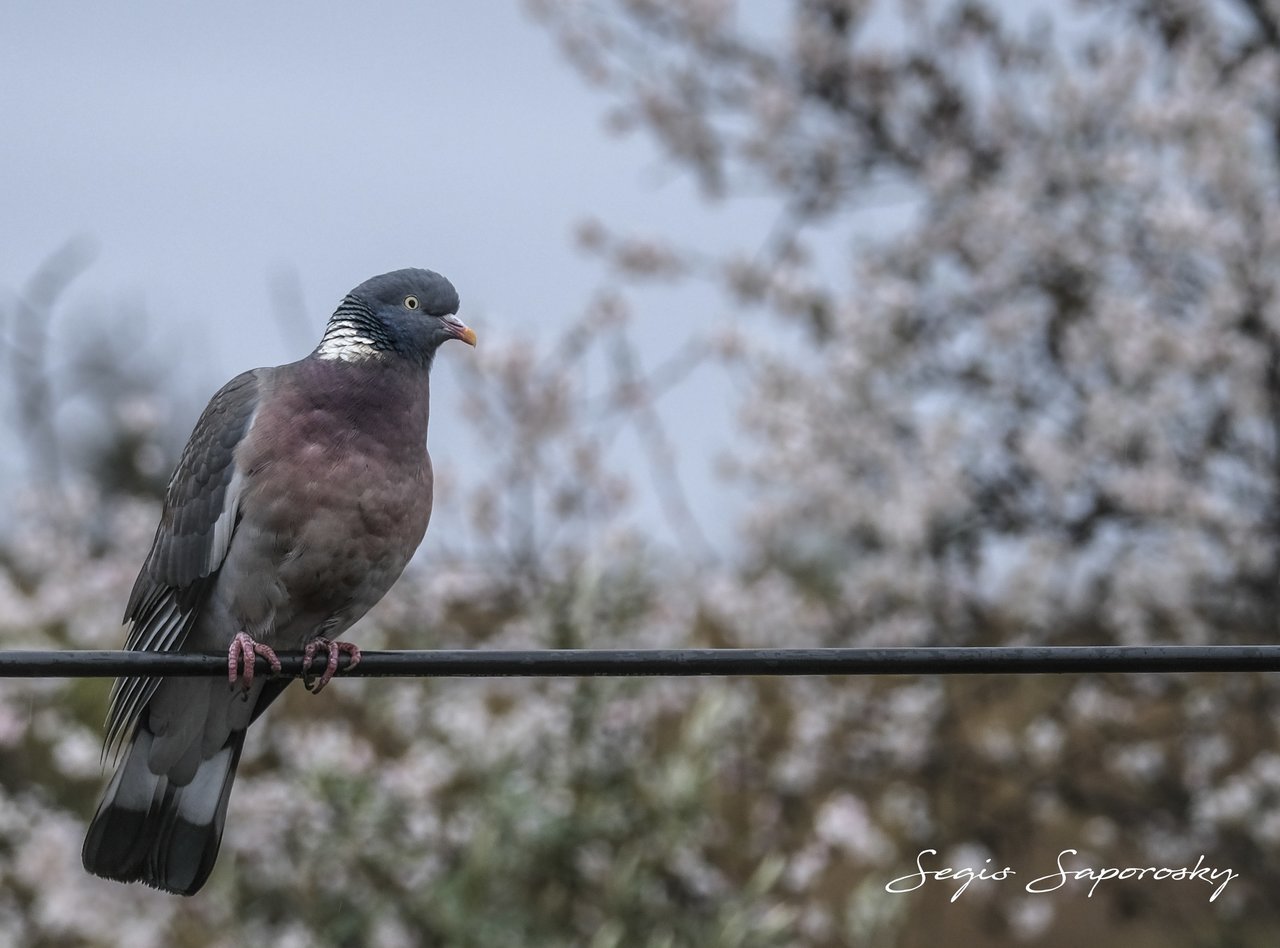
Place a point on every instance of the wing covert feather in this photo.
(201, 509)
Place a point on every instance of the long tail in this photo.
(148, 830)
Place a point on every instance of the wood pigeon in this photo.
(301, 495)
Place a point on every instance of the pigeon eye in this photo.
(411, 302)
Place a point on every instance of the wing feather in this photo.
(201, 510)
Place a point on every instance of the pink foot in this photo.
(243, 652)
(334, 649)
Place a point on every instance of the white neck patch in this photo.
(344, 342)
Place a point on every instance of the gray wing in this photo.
(201, 510)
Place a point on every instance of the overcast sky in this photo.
(207, 148)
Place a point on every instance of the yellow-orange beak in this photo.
(461, 330)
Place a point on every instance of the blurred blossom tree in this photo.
(1048, 400)
(1033, 397)
(1040, 405)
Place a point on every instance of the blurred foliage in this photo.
(1040, 405)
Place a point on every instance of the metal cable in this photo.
(458, 663)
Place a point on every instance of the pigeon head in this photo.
(406, 313)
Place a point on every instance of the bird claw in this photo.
(244, 651)
(334, 649)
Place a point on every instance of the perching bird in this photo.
(298, 501)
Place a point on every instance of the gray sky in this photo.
(206, 148)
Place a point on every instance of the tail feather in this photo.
(147, 829)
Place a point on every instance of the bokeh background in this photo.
(831, 323)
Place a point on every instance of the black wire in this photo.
(458, 663)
